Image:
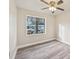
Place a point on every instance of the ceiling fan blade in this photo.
(60, 2)
(45, 2)
(45, 8)
(59, 8)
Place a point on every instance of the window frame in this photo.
(27, 25)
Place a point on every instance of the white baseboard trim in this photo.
(64, 42)
(27, 45)
(35, 43)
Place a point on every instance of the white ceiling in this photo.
(37, 5)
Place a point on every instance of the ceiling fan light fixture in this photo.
(52, 8)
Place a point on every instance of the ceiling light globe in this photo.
(52, 8)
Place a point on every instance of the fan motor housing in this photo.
(52, 3)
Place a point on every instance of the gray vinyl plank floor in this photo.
(49, 50)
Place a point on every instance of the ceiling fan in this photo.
(53, 6)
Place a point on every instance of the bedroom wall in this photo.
(23, 38)
(12, 28)
(63, 27)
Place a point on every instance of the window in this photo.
(35, 25)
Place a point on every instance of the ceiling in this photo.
(37, 5)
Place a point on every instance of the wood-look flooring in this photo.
(49, 50)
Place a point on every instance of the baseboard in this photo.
(27, 45)
(35, 43)
(64, 42)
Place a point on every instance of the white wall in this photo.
(63, 27)
(12, 28)
(23, 38)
